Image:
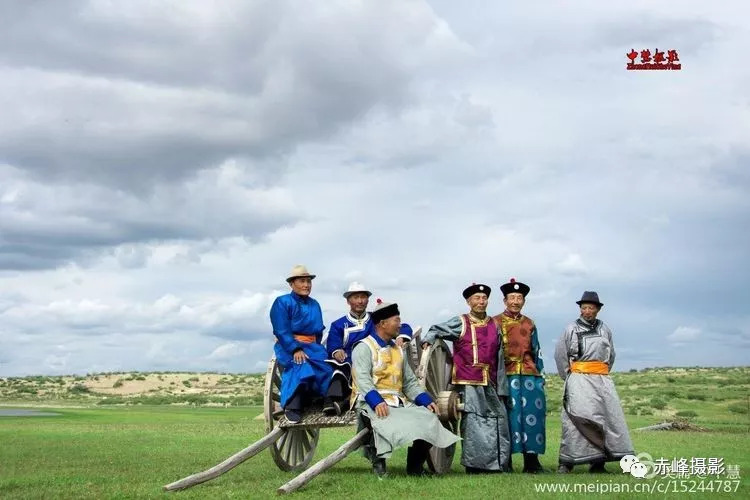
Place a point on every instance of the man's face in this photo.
(478, 303)
(589, 311)
(358, 302)
(301, 286)
(391, 326)
(514, 302)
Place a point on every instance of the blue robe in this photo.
(293, 314)
(345, 332)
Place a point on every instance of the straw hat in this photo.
(299, 271)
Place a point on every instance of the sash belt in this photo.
(305, 338)
(590, 367)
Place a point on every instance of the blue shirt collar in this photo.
(381, 342)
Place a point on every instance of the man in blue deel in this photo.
(297, 322)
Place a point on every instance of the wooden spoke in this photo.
(436, 365)
(293, 449)
(287, 448)
(282, 442)
(299, 446)
(312, 435)
(304, 439)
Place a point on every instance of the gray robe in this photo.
(484, 419)
(593, 423)
(403, 424)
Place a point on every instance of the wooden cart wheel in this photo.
(295, 448)
(435, 366)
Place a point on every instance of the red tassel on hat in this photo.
(379, 300)
(513, 280)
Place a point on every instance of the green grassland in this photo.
(131, 450)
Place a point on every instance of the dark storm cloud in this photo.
(42, 226)
(143, 92)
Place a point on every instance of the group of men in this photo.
(497, 371)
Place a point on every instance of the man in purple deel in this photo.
(479, 377)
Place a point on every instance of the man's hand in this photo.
(425, 345)
(433, 408)
(400, 341)
(339, 356)
(300, 356)
(382, 410)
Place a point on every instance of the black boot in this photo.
(330, 408)
(477, 470)
(597, 467)
(378, 467)
(294, 407)
(531, 463)
(416, 456)
(564, 468)
(333, 404)
(509, 467)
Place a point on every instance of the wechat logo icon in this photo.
(641, 466)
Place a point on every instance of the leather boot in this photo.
(531, 463)
(598, 467)
(378, 467)
(416, 456)
(565, 468)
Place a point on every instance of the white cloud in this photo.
(684, 334)
(227, 351)
(571, 265)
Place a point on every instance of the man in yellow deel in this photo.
(389, 399)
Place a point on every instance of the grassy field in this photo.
(132, 451)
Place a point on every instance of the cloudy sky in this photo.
(164, 164)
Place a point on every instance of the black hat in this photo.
(383, 310)
(590, 298)
(474, 288)
(514, 286)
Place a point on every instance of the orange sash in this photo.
(590, 367)
(304, 338)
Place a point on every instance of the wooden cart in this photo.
(292, 445)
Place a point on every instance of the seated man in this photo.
(381, 383)
(298, 326)
(343, 334)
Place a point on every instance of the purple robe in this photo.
(475, 353)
